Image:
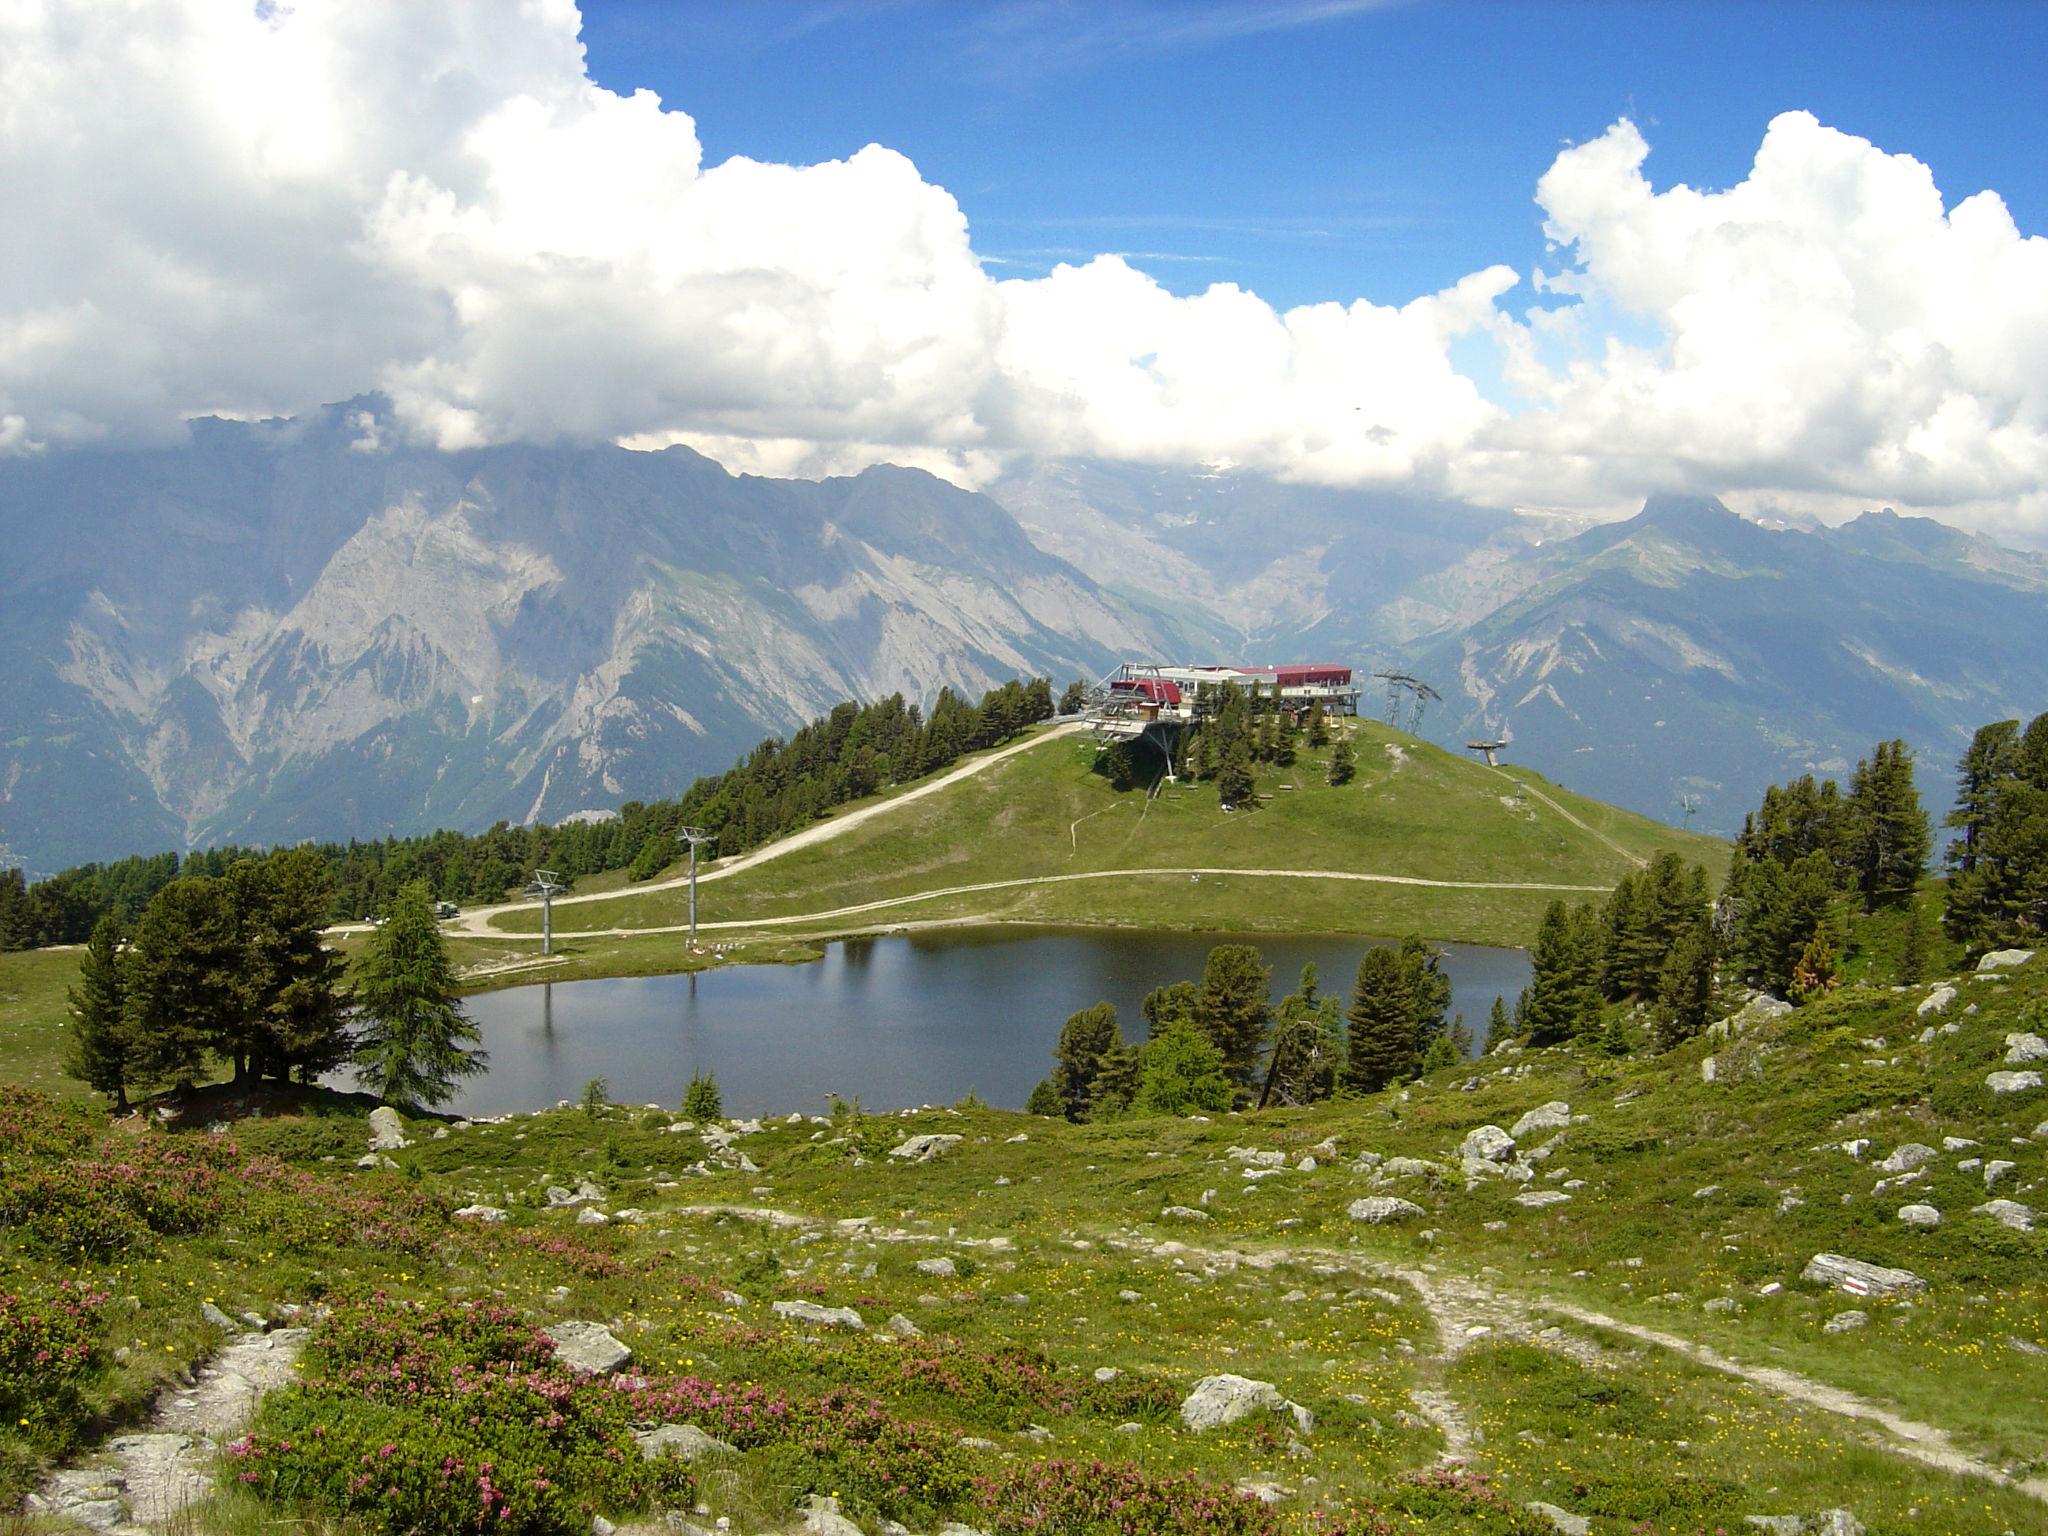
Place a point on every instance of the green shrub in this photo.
(701, 1100)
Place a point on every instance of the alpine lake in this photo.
(890, 1021)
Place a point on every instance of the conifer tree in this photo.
(416, 1040)
(1429, 989)
(1318, 725)
(1380, 1024)
(1685, 987)
(185, 980)
(1913, 947)
(1182, 1072)
(97, 1052)
(1343, 762)
(1303, 1065)
(1234, 782)
(1169, 1005)
(1564, 984)
(1888, 836)
(1117, 1081)
(1499, 1026)
(1234, 1009)
(298, 1019)
(1085, 1040)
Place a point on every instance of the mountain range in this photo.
(290, 629)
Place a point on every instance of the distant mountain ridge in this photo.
(287, 629)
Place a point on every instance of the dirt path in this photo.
(1199, 871)
(476, 923)
(142, 1482)
(1593, 832)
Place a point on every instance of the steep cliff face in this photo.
(290, 629)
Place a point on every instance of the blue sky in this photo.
(1319, 151)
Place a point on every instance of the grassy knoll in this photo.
(1522, 1340)
(1414, 811)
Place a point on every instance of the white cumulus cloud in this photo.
(255, 210)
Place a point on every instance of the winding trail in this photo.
(1193, 871)
(1593, 832)
(144, 1481)
(476, 922)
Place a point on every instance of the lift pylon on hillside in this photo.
(694, 836)
(547, 885)
(1489, 748)
(1409, 692)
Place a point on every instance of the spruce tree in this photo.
(1085, 1040)
(1380, 1024)
(1234, 781)
(185, 978)
(298, 1022)
(1564, 985)
(1234, 1009)
(1318, 725)
(1429, 989)
(416, 1040)
(1169, 1005)
(1343, 762)
(1685, 987)
(1499, 1026)
(97, 1052)
(1888, 832)
(1913, 947)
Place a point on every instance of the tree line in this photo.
(1221, 1042)
(778, 787)
(228, 973)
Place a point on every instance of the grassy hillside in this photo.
(1414, 812)
(1643, 1351)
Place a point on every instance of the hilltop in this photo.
(1422, 840)
(1605, 1303)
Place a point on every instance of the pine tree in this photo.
(416, 1040)
(1085, 1039)
(1116, 1083)
(702, 1101)
(1234, 781)
(1913, 947)
(1380, 1035)
(1074, 697)
(1429, 989)
(1169, 1005)
(298, 1017)
(1343, 762)
(185, 976)
(1499, 1026)
(1234, 1008)
(97, 1053)
(1888, 833)
(1685, 987)
(1815, 971)
(1564, 984)
(1318, 725)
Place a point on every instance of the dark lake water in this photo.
(892, 1021)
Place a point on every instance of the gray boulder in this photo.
(922, 1149)
(1407, 1168)
(2007, 1213)
(387, 1131)
(1858, 1278)
(1997, 1169)
(941, 1268)
(903, 1327)
(1908, 1157)
(489, 1215)
(1844, 1322)
(1218, 1400)
(1487, 1143)
(2023, 1048)
(1562, 1520)
(686, 1442)
(1936, 1001)
(218, 1318)
(823, 1317)
(2004, 959)
(1554, 1116)
(587, 1348)
(1919, 1215)
(2013, 1082)
(1378, 1209)
(1536, 1199)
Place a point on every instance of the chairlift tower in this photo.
(546, 884)
(694, 836)
(1418, 695)
(1489, 748)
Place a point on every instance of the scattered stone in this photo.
(1265, 1492)
(2007, 1213)
(1710, 1070)
(2013, 1082)
(1257, 1157)
(686, 1442)
(1920, 1216)
(1777, 1525)
(1958, 1143)
(587, 1348)
(591, 1216)
(2003, 959)
(1995, 1170)
(1306, 1165)
(1384, 1208)
(1128, 1295)
(218, 1318)
(1836, 1522)
(1182, 1213)
(1858, 1278)
(1937, 1000)
(1843, 1322)
(1554, 1116)
(903, 1327)
(1402, 1168)
(1488, 1144)
(942, 1268)
(822, 1518)
(922, 1149)
(2021, 1049)
(1561, 1520)
(1908, 1157)
(489, 1215)
(1218, 1400)
(1107, 1373)
(823, 1317)
(1537, 1198)
(1857, 1147)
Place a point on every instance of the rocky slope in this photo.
(294, 629)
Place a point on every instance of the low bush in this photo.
(49, 1350)
(1104, 1498)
